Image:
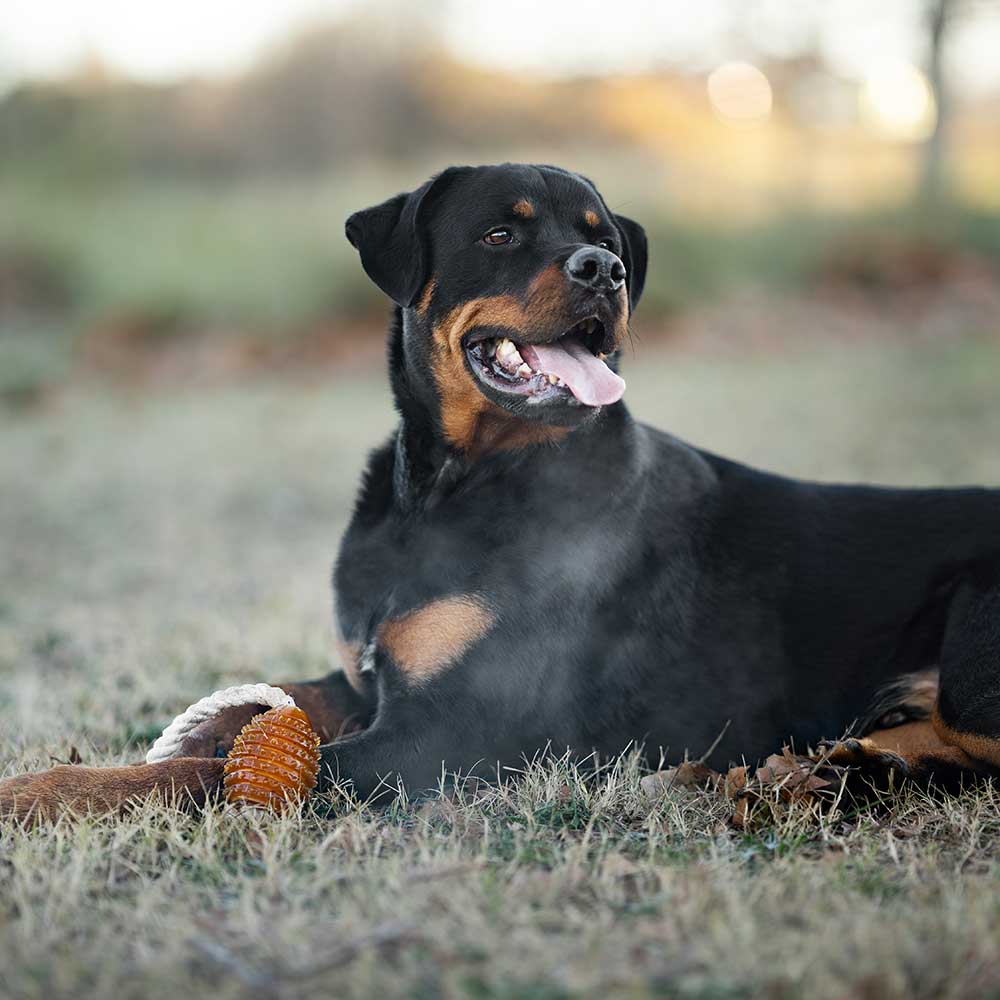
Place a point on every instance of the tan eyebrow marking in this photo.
(524, 208)
(425, 297)
(590, 217)
(426, 640)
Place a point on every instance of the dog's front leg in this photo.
(418, 733)
(381, 761)
(78, 790)
(333, 708)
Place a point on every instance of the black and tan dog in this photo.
(528, 567)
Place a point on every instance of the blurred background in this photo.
(191, 356)
(173, 182)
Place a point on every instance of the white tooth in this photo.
(504, 347)
(553, 379)
(524, 370)
(510, 359)
(601, 356)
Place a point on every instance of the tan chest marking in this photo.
(425, 641)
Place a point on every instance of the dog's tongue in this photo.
(588, 377)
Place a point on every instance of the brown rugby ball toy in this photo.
(274, 762)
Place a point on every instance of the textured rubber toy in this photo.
(274, 762)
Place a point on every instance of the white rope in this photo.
(169, 743)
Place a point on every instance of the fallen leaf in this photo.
(736, 781)
(687, 775)
(782, 779)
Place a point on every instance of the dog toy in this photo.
(274, 762)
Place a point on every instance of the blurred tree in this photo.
(938, 14)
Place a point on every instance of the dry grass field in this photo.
(158, 545)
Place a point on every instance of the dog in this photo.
(529, 569)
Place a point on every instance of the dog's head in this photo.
(516, 284)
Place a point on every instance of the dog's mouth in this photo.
(572, 367)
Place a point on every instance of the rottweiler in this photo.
(529, 569)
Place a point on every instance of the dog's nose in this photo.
(596, 268)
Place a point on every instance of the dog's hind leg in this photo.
(967, 713)
(911, 750)
(961, 733)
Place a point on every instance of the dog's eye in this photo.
(607, 244)
(497, 237)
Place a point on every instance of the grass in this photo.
(160, 544)
(268, 253)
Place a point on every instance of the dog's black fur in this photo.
(634, 589)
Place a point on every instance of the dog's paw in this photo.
(863, 754)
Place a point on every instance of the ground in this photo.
(161, 543)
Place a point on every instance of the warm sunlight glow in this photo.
(740, 93)
(897, 101)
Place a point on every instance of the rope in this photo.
(169, 743)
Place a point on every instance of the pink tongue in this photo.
(589, 378)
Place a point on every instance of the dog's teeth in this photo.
(601, 357)
(507, 355)
(553, 379)
(524, 369)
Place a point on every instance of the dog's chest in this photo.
(417, 598)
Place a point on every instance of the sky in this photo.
(42, 38)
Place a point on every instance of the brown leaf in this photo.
(740, 813)
(74, 757)
(695, 774)
(687, 775)
(793, 776)
(776, 767)
(736, 781)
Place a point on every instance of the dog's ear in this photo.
(634, 254)
(392, 241)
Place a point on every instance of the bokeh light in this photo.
(897, 101)
(740, 93)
